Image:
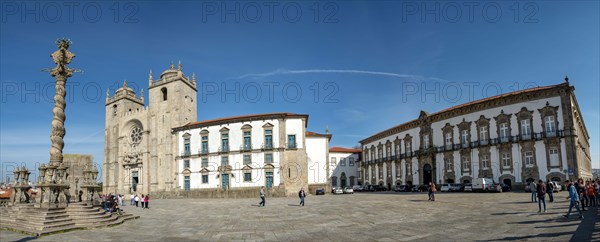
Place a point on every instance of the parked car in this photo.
(420, 188)
(379, 188)
(557, 187)
(402, 188)
(348, 190)
(320, 191)
(455, 187)
(357, 188)
(445, 188)
(467, 187)
(368, 188)
(484, 185)
(338, 190)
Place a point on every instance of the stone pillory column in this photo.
(53, 187)
(61, 72)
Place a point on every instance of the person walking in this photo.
(142, 200)
(262, 197)
(137, 200)
(550, 190)
(432, 190)
(146, 200)
(579, 189)
(541, 195)
(131, 199)
(302, 195)
(533, 188)
(574, 197)
(591, 195)
(80, 195)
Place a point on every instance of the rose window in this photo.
(136, 135)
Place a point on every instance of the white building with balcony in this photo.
(514, 138)
(273, 150)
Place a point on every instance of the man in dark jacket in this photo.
(550, 190)
(302, 195)
(541, 195)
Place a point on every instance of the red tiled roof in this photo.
(488, 99)
(313, 134)
(344, 150)
(240, 118)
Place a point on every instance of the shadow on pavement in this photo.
(589, 228)
(536, 236)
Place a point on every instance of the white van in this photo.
(485, 184)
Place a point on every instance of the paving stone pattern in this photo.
(355, 217)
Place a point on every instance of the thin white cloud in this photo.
(310, 71)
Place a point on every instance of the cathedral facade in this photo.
(139, 149)
(161, 149)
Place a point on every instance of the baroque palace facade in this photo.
(161, 149)
(514, 138)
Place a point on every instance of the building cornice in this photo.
(475, 106)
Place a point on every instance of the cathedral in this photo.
(163, 150)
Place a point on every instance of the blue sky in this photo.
(361, 56)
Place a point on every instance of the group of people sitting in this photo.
(111, 203)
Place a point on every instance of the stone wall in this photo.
(76, 164)
(246, 192)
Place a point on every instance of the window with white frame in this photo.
(448, 139)
(525, 129)
(485, 162)
(553, 156)
(186, 164)
(343, 162)
(483, 133)
(398, 170)
(426, 141)
(465, 137)
(388, 151)
(550, 129)
(449, 165)
(333, 161)
(529, 161)
(351, 161)
(408, 147)
(504, 131)
(506, 160)
(466, 163)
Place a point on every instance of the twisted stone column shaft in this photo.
(58, 122)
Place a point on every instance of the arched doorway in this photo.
(508, 182)
(343, 180)
(427, 174)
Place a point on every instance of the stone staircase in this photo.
(38, 221)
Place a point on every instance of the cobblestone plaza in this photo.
(358, 217)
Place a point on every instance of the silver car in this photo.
(348, 190)
(338, 190)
